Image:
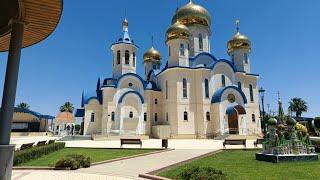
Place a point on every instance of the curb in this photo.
(152, 177)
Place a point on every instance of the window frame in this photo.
(206, 88)
(200, 42)
(208, 118)
(251, 93)
(185, 116)
(127, 57)
(112, 116)
(182, 49)
(92, 118)
(184, 88)
(118, 57)
(223, 80)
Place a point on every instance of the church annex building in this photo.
(195, 95)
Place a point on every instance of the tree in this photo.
(23, 105)
(67, 107)
(298, 106)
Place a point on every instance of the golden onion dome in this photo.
(177, 31)
(152, 54)
(239, 41)
(191, 14)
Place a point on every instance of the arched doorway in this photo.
(233, 113)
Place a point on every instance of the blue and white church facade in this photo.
(195, 95)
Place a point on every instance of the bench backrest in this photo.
(234, 141)
(131, 141)
(40, 143)
(26, 146)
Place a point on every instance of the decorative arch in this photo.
(216, 98)
(142, 84)
(239, 109)
(203, 58)
(131, 92)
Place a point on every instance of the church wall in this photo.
(91, 127)
(195, 30)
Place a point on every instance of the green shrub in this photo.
(67, 162)
(35, 152)
(202, 173)
(83, 161)
(73, 161)
(317, 122)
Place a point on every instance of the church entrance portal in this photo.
(233, 113)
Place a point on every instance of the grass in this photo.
(96, 155)
(239, 164)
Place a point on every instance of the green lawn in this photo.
(95, 154)
(242, 165)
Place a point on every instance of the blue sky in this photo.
(284, 35)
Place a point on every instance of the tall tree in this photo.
(23, 105)
(298, 106)
(67, 107)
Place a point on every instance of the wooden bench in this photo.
(51, 141)
(258, 141)
(26, 146)
(131, 141)
(41, 143)
(235, 142)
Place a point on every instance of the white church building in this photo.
(195, 95)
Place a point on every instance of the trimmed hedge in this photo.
(203, 173)
(73, 161)
(35, 152)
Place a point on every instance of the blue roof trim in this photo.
(131, 92)
(91, 95)
(203, 54)
(183, 67)
(225, 61)
(125, 43)
(79, 113)
(132, 74)
(38, 115)
(216, 98)
(252, 74)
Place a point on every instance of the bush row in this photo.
(203, 173)
(73, 161)
(35, 152)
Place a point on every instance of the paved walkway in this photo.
(144, 164)
(60, 175)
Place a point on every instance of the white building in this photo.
(195, 95)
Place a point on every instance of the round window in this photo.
(130, 84)
(231, 98)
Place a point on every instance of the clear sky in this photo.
(284, 34)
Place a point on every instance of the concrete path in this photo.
(60, 175)
(144, 164)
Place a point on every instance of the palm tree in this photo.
(67, 107)
(298, 106)
(23, 105)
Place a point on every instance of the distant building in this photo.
(25, 120)
(195, 95)
(64, 124)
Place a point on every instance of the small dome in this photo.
(64, 117)
(239, 41)
(152, 54)
(192, 14)
(177, 31)
(291, 121)
(272, 121)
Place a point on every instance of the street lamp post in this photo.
(261, 93)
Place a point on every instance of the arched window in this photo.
(112, 116)
(155, 117)
(167, 116)
(251, 93)
(155, 101)
(126, 57)
(239, 85)
(118, 57)
(245, 58)
(182, 49)
(133, 59)
(145, 116)
(166, 89)
(92, 117)
(206, 88)
(131, 114)
(200, 42)
(223, 81)
(169, 49)
(185, 116)
(253, 118)
(184, 88)
(208, 116)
